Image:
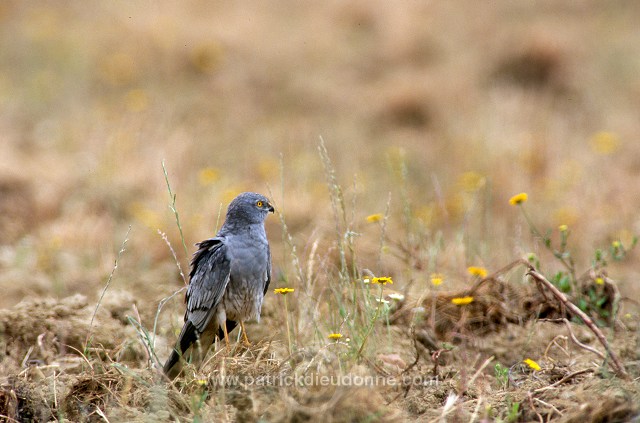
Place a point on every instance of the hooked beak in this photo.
(270, 208)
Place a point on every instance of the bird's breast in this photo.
(248, 274)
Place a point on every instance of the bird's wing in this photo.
(210, 270)
(266, 283)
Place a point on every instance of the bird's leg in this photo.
(245, 340)
(226, 336)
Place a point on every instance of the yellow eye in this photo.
(259, 204)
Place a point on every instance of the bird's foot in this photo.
(245, 339)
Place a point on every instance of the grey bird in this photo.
(229, 278)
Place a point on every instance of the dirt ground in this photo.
(391, 138)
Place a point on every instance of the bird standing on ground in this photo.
(229, 277)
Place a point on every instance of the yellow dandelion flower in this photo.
(382, 280)
(437, 279)
(518, 199)
(605, 143)
(373, 218)
(472, 181)
(335, 336)
(616, 244)
(532, 364)
(563, 228)
(480, 272)
(600, 281)
(283, 291)
(201, 381)
(462, 300)
(208, 176)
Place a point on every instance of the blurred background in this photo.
(438, 111)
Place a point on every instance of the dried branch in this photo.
(574, 310)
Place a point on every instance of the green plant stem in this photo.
(373, 322)
(569, 265)
(173, 208)
(106, 286)
(286, 318)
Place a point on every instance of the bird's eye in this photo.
(259, 204)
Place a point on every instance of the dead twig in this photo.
(563, 380)
(574, 338)
(553, 342)
(533, 407)
(574, 310)
(580, 344)
(412, 330)
(546, 404)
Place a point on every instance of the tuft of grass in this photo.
(106, 286)
(172, 207)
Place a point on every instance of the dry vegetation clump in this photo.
(495, 304)
(41, 331)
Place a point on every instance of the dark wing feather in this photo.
(210, 269)
(266, 284)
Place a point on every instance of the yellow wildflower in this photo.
(373, 218)
(532, 364)
(335, 336)
(283, 291)
(202, 381)
(563, 228)
(518, 199)
(600, 281)
(462, 300)
(382, 280)
(605, 143)
(616, 244)
(437, 279)
(208, 176)
(472, 181)
(480, 272)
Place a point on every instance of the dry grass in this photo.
(432, 115)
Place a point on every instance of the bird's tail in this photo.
(173, 365)
(186, 340)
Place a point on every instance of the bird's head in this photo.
(249, 207)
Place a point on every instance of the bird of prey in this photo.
(229, 278)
